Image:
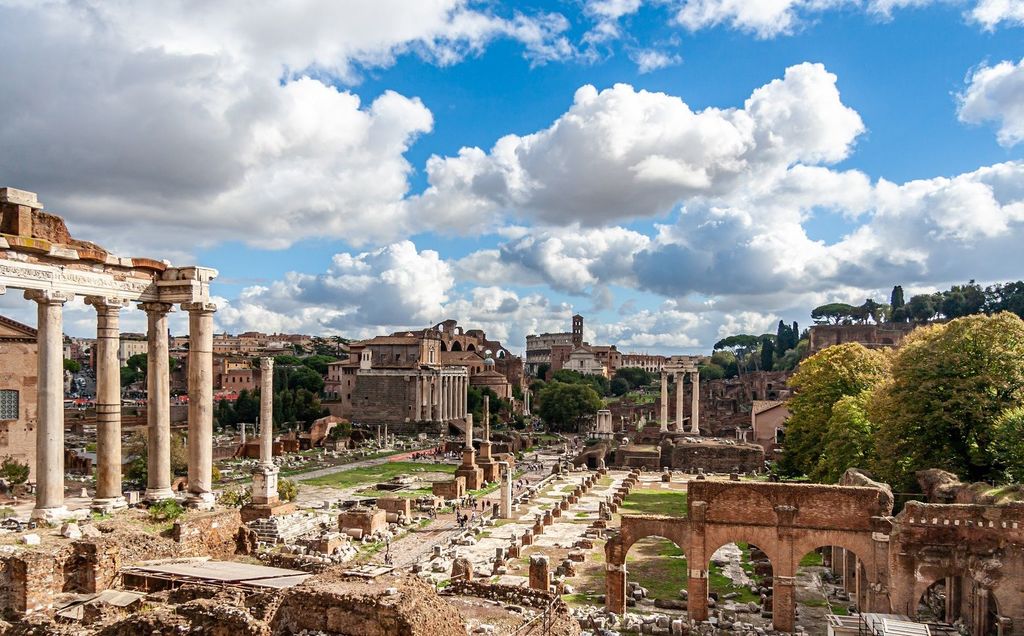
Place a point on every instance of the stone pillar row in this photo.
(50, 428)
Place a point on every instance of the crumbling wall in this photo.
(386, 606)
(212, 533)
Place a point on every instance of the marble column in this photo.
(464, 396)
(108, 403)
(695, 403)
(435, 398)
(264, 478)
(200, 403)
(417, 396)
(526, 402)
(487, 418)
(50, 404)
(267, 411)
(663, 420)
(680, 401)
(158, 404)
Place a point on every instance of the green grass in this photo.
(580, 598)
(811, 559)
(658, 565)
(718, 582)
(671, 503)
(379, 473)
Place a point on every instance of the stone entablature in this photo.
(38, 255)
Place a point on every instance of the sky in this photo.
(675, 170)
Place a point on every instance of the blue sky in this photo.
(781, 155)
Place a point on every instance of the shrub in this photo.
(287, 489)
(165, 510)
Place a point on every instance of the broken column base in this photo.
(50, 515)
(254, 511)
(469, 469)
(108, 505)
(158, 494)
(201, 500)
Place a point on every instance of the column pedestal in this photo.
(488, 466)
(474, 476)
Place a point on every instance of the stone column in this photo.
(267, 411)
(506, 490)
(108, 403)
(469, 433)
(158, 404)
(50, 404)
(443, 391)
(663, 420)
(487, 418)
(680, 402)
(264, 478)
(526, 402)
(463, 396)
(200, 403)
(417, 393)
(697, 595)
(695, 403)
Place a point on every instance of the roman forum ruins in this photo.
(51, 268)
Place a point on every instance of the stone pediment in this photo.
(12, 329)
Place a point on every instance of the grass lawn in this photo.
(649, 501)
(811, 559)
(379, 473)
(658, 565)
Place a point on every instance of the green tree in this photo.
(711, 372)
(767, 352)
(634, 376)
(922, 307)
(741, 346)
(620, 386)
(1008, 444)
(74, 366)
(130, 376)
(13, 471)
(849, 439)
(820, 382)
(950, 384)
(319, 362)
(833, 313)
(896, 298)
(565, 407)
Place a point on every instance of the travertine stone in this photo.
(663, 420)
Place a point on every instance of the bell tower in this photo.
(577, 331)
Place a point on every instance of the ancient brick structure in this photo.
(18, 378)
(889, 334)
(976, 550)
(682, 452)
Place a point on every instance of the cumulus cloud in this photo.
(394, 285)
(621, 153)
(991, 13)
(996, 94)
(181, 123)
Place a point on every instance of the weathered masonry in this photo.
(977, 551)
(38, 255)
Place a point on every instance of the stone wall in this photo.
(717, 457)
(212, 533)
(385, 397)
(385, 606)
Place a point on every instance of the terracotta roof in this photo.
(30, 332)
(391, 340)
(760, 406)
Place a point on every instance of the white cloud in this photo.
(649, 60)
(187, 124)
(621, 153)
(990, 13)
(763, 18)
(996, 93)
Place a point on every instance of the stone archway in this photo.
(633, 529)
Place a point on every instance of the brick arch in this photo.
(860, 544)
(635, 528)
(766, 538)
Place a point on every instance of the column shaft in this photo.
(108, 403)
(158, 404)
(695, 403)
(200, 402)
(50, 404)
(417, 396)
(680, 402)
(663, 420)
(266, 411)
